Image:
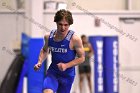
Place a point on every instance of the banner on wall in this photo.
(97, 43)
(111, 64)
(106, 68)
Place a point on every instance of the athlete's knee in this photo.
(81, 77)
(89, 77)
(48, 91)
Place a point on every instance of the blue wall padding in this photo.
(97, 44)
(111, 64)
(25, 45)
(35, 79)
(106, 49)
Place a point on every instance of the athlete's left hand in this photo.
(62, 66)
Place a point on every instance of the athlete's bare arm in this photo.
(76, 43)
(91, 50)
(43, 53)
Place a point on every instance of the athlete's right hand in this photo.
(37, 66)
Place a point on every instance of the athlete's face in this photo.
(84, 39)
(63, 26)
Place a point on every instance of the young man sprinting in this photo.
(67, 52)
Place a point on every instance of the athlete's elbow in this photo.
(82, 59)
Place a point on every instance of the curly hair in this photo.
(63, 14)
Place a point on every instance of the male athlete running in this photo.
(64, 45)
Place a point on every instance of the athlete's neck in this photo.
(59, 36)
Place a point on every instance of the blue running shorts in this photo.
(58, 83)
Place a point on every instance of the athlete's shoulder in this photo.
(89, 44)
(76, 40)
(47, 35)
(75, 37)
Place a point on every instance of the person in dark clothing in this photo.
(85, 68)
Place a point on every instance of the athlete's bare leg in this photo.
(48, 91)
(89, 81)
(81, 77)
